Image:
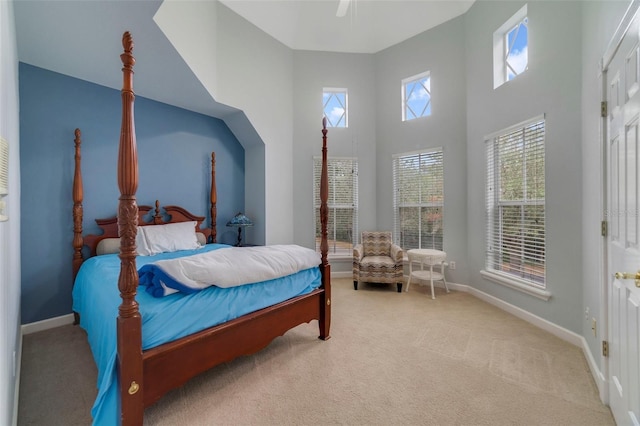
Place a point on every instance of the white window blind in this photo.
(4, 167)
(418, 182)
(516, 202)
(342, 226)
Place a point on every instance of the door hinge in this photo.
(604, 227)
(605, 348)
(603, 109)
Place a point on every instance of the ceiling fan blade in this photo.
(342, 8)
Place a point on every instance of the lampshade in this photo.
(240, 220)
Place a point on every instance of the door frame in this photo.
(612, 48)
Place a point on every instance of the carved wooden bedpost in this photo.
(214, 200)
(325, 310)
(77, 207)
(128, 322)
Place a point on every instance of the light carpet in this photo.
(393, 359)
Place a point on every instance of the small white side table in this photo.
(429, 258)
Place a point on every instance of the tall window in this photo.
(418, 183)
(416, 96)
(515, 203)
(342, 227)
(511, 48)
(334, 107)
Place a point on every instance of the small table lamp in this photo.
(240, 221)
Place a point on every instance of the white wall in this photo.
(550, 86)
(599, 22)
(440, 51)
(254, 74)
(10, 230)
(249, 75)
(314, 71)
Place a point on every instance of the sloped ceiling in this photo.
(80, 39)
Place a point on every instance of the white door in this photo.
(623, 95)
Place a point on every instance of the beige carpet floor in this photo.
(393, 359)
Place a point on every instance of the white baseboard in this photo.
(343, 274)
(34, 327)
(16, 389)
(556, 330)
(561, 332)
(28, 329)
(598, 377)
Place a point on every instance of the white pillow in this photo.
(112, 245)
(142, 248)
(169, 237)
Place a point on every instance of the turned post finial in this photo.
(128, 61)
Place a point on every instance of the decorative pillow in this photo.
(170, 237)
(108, 246)
(112, 245)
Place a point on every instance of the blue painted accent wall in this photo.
(174, 156)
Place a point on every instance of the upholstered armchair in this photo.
(377, 260)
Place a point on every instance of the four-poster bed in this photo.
(146, 370)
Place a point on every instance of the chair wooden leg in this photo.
(399, 287)
(355, 284)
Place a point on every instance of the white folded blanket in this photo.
(225, 267)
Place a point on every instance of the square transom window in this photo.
(416, 96)
(334, 107)
(511, 48)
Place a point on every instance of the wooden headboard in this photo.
(175, 214)
(109, 226)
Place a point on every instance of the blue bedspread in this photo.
(96, 298)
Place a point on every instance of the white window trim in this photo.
(346, 104)
(499, 49)
(403, 83)
(511, 129)
(396, 231)
(516, 284)
(356, 229)
(504, 279)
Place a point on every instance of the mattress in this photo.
(96, 298)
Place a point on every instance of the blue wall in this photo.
(174, 155)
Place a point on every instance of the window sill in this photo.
(516, 284)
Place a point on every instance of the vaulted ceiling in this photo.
(367, 26)
(76, 38)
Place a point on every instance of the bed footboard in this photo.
(173, 364)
